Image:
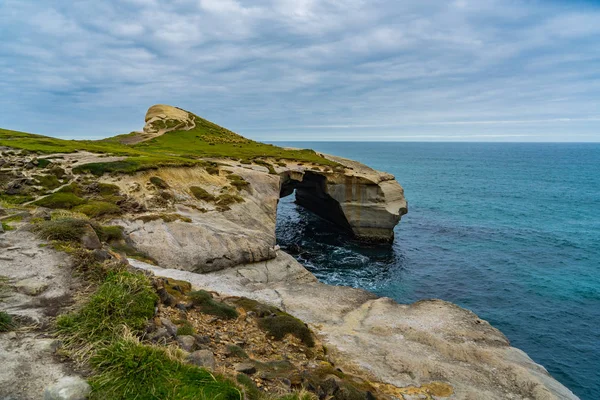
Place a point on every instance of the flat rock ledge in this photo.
(406, 346)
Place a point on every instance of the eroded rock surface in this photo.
(366, 202)
(36, 286)
(405, 348)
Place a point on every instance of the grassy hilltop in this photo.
(174, 148)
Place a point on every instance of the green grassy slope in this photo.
(176, 148)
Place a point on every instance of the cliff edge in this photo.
(187, 199)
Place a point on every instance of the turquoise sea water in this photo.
(510, 231)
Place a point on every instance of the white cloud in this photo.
(425, 65)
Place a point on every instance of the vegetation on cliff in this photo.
(174, 148)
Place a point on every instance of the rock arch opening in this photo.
(311, 193)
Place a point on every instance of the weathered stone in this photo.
(202, 339)
(169, 326)
(165, 297)
(245, 368)
(402, 345)
(42, 213)
(89, 239)
(68, 388)
(186, 342)
(31, 286)
(159, 334)
(202, 358)
(101, 255)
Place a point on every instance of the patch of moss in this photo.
(7, 227)
(267, 165)
(96, 209)
(71, 188)
(15, 198)
(281, 325)
(158, 182)
(108, 233)
(58, 172)
(164, 216)
(237, 181)
(201, 193)
(276, 322)
(237, 351)
(49, 182)
(6, 322)
(204, 301)
(186, 329)
(62, 229)
(106, 189)
(228, 199)
(213, 170)
(43, 162)
(60, 200)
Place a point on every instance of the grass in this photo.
(63, 200)
(186, 329)
(237, 351)
(7, 227)
(281, 325)
(49, 182)
(96, 209)
(104, 330)
(227, 199)
(164, 216)
(204, 301)
(109, 233)
(276, 322)
(43, 162)
(15, 199)
(124, 299)
(158, 182)
(130, 370)
(6, 322)
(67, 229)
(201, 193)
(237, 181)
(175, 148)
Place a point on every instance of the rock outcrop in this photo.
(407, 350)
(359, 199)
(162, 118)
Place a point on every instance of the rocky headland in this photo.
(191, 207)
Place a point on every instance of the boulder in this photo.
(186, 342)
(89, 239)
(245, 368)
(68, 388)
(202, 358)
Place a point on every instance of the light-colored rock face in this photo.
(162, 118)
(364, 201)
(404, 349)
(35, 285)
(360, 199)
(211, 239)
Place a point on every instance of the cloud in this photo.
(377, 68)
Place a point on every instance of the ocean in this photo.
(510, 231)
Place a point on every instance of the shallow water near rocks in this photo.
(509, 231)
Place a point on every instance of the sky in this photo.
(367, 70)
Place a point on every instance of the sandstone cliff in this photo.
(200, 202)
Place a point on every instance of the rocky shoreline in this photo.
(212, 224)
